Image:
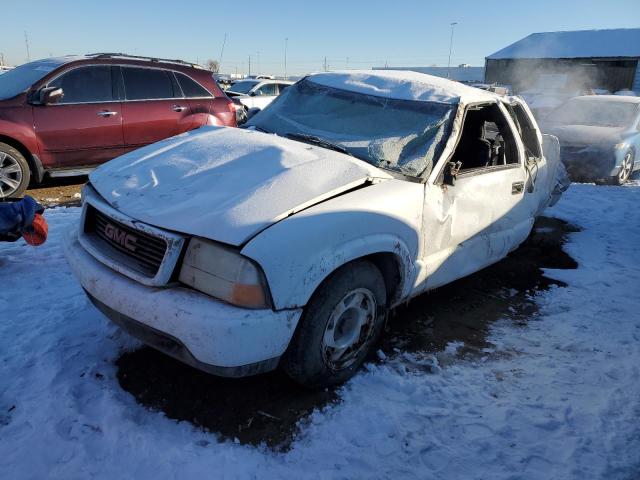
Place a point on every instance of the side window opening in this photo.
(282, 87)
(527, 130)
(486, 141)
(268, 89)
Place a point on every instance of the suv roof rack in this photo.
(140, 57)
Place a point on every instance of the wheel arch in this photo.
(35, 165)
(392, 259)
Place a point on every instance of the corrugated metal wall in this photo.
(611, 74)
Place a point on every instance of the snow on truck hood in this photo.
(225, 184)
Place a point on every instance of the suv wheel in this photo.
(339, 327)
(14, 172)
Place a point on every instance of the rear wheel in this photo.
(14, 172)
(339, 327)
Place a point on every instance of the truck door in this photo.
(482, 216)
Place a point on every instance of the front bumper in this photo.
(190, 326)
(588, 163)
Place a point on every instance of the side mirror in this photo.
(49, 95)
(252, 94)
(451, 173)
(251, 112)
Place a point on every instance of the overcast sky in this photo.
(350, 34)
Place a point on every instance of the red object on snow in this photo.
(37, 233)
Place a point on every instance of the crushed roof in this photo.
(403, 85)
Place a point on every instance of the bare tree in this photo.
(213, 65)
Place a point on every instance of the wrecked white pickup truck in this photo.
(285, 243)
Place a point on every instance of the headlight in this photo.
(619, 146)
(223, 273)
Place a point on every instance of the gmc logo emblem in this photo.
(120, 237)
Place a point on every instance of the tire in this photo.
(317, 356)
(14, 172)
(626, 169)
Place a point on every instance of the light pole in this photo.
(453, 24)
(222, 53)
(286, 41)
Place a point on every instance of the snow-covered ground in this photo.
(558, 398)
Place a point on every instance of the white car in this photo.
(257, 93)
(287, 242)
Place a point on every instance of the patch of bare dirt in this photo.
(53, 192)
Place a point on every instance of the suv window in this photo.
(85, 84)
(191, 88)
(268, 89)
(148, 84)
(282, 86)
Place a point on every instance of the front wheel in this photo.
(339, 327)
(14, 172)
(626, 169)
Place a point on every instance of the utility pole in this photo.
(453, 24)
(249, 65)
(286, 41)
(26, 41)
(258, 62)
(1, 59)
(222, 53)
(325, 63)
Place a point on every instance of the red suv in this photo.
(63, 116)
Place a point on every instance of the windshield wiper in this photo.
(312, 139)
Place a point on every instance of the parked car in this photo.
(287, 242)
(599, 137)
(256, 93)
(549, 91)
(64, 116)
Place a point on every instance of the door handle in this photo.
(106, 113)
(517, 187)
(179, 108)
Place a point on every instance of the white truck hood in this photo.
(225, 184)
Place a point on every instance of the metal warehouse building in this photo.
(607, 59)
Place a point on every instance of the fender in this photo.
(20, 135)
(297, 254)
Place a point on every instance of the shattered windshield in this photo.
(19, 79)
(595, 113)
(400, 135)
